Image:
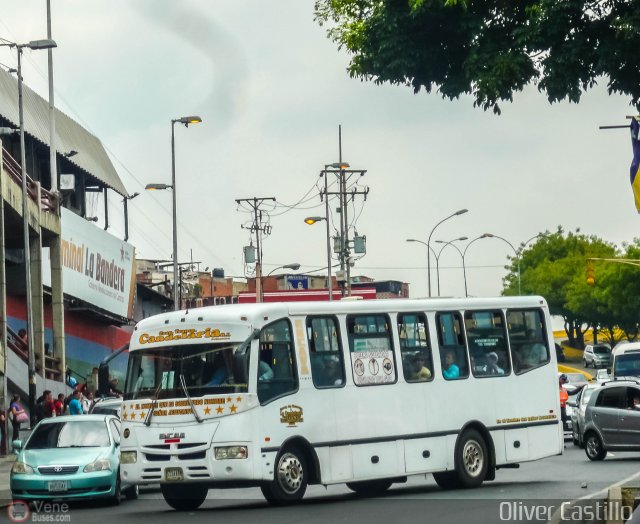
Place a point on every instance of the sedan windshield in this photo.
(210, 369)
(601, 350)
(71, 434)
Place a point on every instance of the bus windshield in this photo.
(207, 369)
(627, 365)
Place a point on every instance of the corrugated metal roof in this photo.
(70, 135)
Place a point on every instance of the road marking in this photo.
(556, 517)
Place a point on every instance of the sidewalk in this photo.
(5, 467)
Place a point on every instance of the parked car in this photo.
(107, 406)
(612, 419)
(597, 356)
(579, 406)
(70, 457)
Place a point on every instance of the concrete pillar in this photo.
(37, 298)
(57, 303)
(4, 402)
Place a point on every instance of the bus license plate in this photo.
(173, 474)
(57, 485)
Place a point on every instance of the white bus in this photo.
(626, 360)
(366, 393)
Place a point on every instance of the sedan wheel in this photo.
(593, 447)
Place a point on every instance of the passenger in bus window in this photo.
(265, 373)
(220, 372)
(450, 369)
(332, 372)
(492, 367)
(535, 352)
(419, 370)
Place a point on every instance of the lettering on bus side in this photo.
(183, 334)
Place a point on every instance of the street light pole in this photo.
(460, 212)
(34, 44)
(449, 243)
(490, 235)
(429, 248)
(464, 268)
(186, 120)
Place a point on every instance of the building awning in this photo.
(70, 135)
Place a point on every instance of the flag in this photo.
(635, 163)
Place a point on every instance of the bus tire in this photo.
(593, 447)
(184, 497)
(370, 488)
(290, 478)
(471, 460)
(132, 492)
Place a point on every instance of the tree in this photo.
(554, 267)
(490, 49)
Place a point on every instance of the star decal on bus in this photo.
(207, 410)
(219, 410)
(142, 415)
(233, 408)
(238, 399)
(229, 399)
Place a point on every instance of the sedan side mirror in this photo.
(17, 445)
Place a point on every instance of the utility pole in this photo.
(258, 227)
(341, 170)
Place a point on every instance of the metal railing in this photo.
(21, 348)
(36, 192)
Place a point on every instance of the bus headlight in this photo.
(98, 465)
(128, 457)
(21, 468)
(231, 452)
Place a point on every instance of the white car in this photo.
(602, 375)
(597, 355)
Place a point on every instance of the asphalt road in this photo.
(543, 484)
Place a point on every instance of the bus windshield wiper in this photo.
(186, 393)
(154, 402)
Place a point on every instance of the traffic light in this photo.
(591, 274)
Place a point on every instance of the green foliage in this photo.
(555, 268)
(490, 49)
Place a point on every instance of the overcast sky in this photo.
(272, 90)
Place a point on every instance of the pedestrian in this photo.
(45, 407)
(22, 335)
(75, 406)
(87, 401)
(59, 403)
(17, 415)
(3, 432)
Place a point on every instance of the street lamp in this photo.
(186, 120)
(449, 243)
(429, 248)
(35, 45)
(464, 254)
(312, 220)
(490, 235)
(294, 266)
(460, 212)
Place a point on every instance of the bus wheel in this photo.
(472, 459)
(370, 488)
(184, 497)
(290, 478)
(593, 447)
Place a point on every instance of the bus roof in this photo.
(256, 313)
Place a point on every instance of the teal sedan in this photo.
(70, 457)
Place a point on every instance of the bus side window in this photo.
(453, 350)
(276, 341)
(417, 363)
(527, 338)
(325, 353)
(487, 340)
